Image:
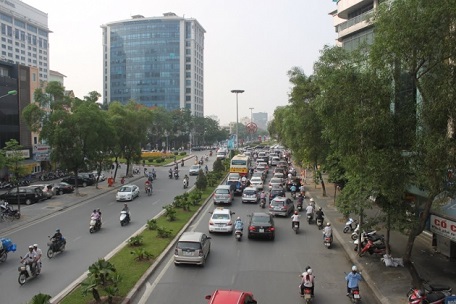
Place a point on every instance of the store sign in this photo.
(21, 153)
(443, 227)
(41, 149)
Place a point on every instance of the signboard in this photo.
(23, 153)
(42, 157)
(443, 227)
(450, 300)
(41, 148)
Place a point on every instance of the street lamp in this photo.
(237, 115)
(251, 134)
(13, 92)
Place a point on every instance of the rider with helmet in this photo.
(327, 231)
(238, 224)
(58, 238)
(307, 281)
(319, 214)
(295, 219)
(353, 279)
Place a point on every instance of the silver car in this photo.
(192, 248)
(223, 195)
(127, 193)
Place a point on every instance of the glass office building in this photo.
(155, 61)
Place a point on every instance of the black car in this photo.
(61, 188)
(276, 191)
(261, 225)
(82, 181)
(28, 195)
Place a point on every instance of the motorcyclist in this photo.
(148, 186)
(186, 179)
(182, 162)
(125, 208)
(238, 224)
(353, 279)
(302, 190)
(327, 231)
(58, 238)
(293, 189)
(38, 253)
(319, 215)
(262, 196)
(176, 171)
(206, 169)
(97, 217)
(29, 258)
(170, 171)
(295, 219)
(312, 202)
(309, 210)
(307, 281)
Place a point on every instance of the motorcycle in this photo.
(7, 211)
(327, 240)
(23, 273)
(206, 159)
(296, 227)
(354, 295)
(320, 223)
(372, 248)
(307, 295)
(263, 203)
(377, 239)
(55, 246)
(124, 217)
(176, 175)
(170, 175)
(6, 245)
(417, 296)
(210, 153)
(349, 225)
(149, 190)
(354, 235)
(185, 182)
(94, 225)
(182, 163)
(309, 218)
(238, 235)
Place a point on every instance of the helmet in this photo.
(296, 212)
(94, 210)
(309, 271)
(57, 230)
(354, 268)
(35, 245)
(328, 224)
(319, 208)
(125, 204)
(238, 218)
(30, 247)
(304, 273)
(312, 200)
(98, 210)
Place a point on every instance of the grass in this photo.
(131, 270)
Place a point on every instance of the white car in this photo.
(257, 182)
(221, 220)
(127, 193)
(102, 176)
(275, 181)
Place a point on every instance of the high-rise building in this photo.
(24, 36)
(155, 61)
(261, 120)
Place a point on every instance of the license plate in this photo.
(277, 208)
(307, 296)
(261, 230)
(356, 295)
(188, 253)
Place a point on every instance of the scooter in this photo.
(7, 211)
(320, 223)
(238, 234)
(327, 240)
(149, 190)
(24, 274)
(6, 245)
(94, 225)
(373, 248)
(185, 182)
(377, 239)
(176, 175)
(300, 202)
(309, 218)
(124, 217)
(350, 225)
(355, 296)
(170, 175)
(307, 295)
(417, 296)
(55, 247)
(354, 235)
(296, 227)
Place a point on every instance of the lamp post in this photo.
(237, 115)
(13, 92)
(251, 113)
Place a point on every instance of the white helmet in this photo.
(309, 271)
(328, 224)
(238, 218)
(354, 268)
(312, 200)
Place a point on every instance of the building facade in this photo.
(156, 61)
(24, 36)
(261, 120)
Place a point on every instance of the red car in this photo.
(221, 296)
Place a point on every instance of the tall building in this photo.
(350, 21)
(24, 36)
(261, 120)
(156, 61)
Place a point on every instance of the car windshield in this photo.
(260, 219)
(277, 191)
(277, 203)
(256, 179)
(125, 189)
(220, 216)
(249, 192)
(222, 191)
(276, 181)
(194, 168)
(188, 245)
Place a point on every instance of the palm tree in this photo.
(40, 298)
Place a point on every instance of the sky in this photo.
(249, 45)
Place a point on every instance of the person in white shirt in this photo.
(310, 210)
(39, 253)
(307, 281)
(29, 259)
(327, 232)
(295, 218)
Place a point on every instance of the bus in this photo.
(240, 164)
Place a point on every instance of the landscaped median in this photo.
(111, 280)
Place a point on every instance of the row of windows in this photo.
(23, 25)
(10, 48)
(23, 36)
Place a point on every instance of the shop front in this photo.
(443, 226)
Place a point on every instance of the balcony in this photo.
(344, 7)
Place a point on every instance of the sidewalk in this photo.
(389, 284)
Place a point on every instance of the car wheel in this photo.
(60, 192)
(28, 202)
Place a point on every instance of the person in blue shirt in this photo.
(238, 224)
(353, 279)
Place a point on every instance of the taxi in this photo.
(221, 220)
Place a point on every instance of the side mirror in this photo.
(233, 212)
(208, 297)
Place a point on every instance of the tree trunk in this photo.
(115, 169)
(322, 184)
(388, 231)
(96, 295)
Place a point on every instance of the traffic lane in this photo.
(83, 248)
(269, 269)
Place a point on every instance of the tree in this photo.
(102, 274)
(419, 58)
(201, 181)
(40, 298)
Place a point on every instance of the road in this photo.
(270, 269)
(83, 248)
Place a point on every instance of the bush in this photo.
(170, 213)
(159, 160)
(142, 255)
(152, 224)
(183, 153)
(135, 240)
(150, 160)
(218, 166)
(164, 233)
(176, 153)
(201, 181)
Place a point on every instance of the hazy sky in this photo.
(249, 44)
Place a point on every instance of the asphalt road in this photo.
(270, 269)
(83, 248)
